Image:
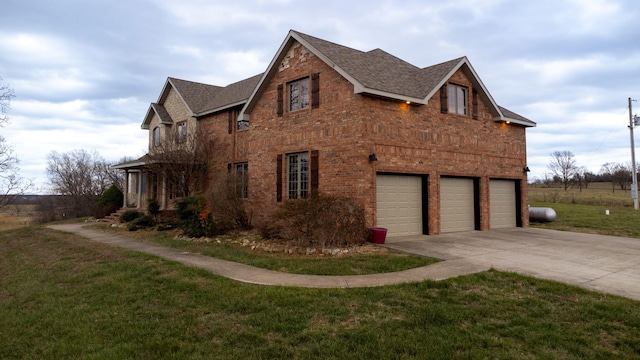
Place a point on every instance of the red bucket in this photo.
(378, 235)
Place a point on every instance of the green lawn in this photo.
(63, 297)
(621, 221)
(388, 261)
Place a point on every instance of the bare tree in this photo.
(606, 173)
(563, 165)
(11, 184)
(6, 93)
(183, 161)
(621, 176)
(80, 176)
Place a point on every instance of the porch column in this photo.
(139, 189)
(126, 188)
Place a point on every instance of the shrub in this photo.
(113, 196)
(323, 220)
(153, 207)
(195, 216)
(130, 215)
(141, 222)
(228, 206)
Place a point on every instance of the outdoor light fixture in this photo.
(526, 169)
(408, 102)
(373, 157)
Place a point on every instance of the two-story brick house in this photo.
(425, 150)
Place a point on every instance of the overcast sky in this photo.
(84, 72)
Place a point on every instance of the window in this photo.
(298, 175)
(156, 136)
(457, 96)
(182, 132)
(299, 94)
(242, 180)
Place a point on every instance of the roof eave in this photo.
(359, 89)
(524, 123)
(221, 108)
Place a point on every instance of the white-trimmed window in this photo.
(181, 133)
(156, 136)
(242, 180)
(458, 99)
(298, 175)
(298, 94)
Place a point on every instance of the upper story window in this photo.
(298, 175)
(298, 94)
(156, 136)
(181, 134)
(458, 99)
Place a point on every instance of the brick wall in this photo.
(347, 127)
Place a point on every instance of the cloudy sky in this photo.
(85, 71)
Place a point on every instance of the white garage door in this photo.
(457, 210)
(399, 204)
(502, 194)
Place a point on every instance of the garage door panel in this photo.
(399, 204)
(457, 205)
(502, 195)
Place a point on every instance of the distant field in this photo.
(595, 194)
(15, 216)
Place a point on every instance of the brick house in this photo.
(425, 150)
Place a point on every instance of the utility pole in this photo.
(634, 186)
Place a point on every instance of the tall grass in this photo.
(596, 194)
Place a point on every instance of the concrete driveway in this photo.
(603, 263)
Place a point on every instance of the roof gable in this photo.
(379, 73)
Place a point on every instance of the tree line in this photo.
(564, 169)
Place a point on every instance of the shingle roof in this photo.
(375, 72)
(379, 70)
(162, 113)
(195, 95)
(231, 94)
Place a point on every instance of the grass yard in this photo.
(16, 216)
(621, 221)
(64, 297)
(372, 260)
(599, 194)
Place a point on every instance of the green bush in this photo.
(153, 207)
(322, 220)
(110, 201)
(195, 216)
(145, 221)
(130, 215)
(113, 196)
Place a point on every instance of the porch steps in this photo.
(115, 216)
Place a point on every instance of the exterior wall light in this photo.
(526, 169)
(373, 157)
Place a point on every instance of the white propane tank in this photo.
(540, 214)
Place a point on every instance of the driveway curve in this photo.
(255, 275)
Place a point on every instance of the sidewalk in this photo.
(254, 275)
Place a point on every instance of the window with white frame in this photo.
(457, 96)
(156, 136)
(242, 180)
(298, 175)
(298, 94)
(181, 133)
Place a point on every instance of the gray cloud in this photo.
(84, 73)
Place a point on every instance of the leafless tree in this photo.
(11, 184)
(563, 165)
(6, 94)
(81, 176)
(183, 161)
